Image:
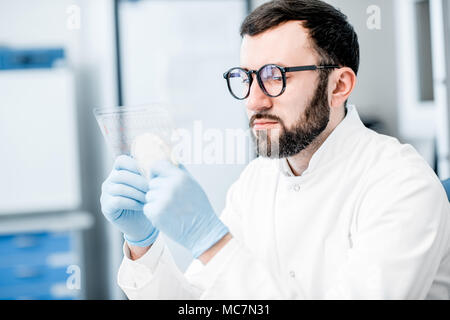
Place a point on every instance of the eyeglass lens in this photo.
(271, 78)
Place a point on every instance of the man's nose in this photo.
(257, 100)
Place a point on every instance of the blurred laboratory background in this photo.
(61, 59)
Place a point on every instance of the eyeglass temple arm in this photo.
(312, 68)
(304, 68)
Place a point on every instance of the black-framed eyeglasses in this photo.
(271, 79)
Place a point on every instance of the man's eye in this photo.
(274, 78)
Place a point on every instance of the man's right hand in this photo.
(122, 201)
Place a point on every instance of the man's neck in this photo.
(300, 162)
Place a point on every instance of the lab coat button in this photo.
(296, 187)
(292, 274)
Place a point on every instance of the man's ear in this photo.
(342, 85)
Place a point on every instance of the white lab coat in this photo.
(368, 219)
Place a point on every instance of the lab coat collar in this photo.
(338, 144)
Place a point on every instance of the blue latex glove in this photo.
(122, 201)
(178, 206)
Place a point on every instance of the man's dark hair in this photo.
(332, 36)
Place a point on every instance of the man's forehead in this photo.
(285, 44)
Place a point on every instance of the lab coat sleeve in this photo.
(235, 274)
(154, 276)
(402, 235)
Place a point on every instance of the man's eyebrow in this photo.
(277, 63)
(280, 64)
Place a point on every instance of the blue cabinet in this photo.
(35, 265)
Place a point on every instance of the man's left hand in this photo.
(178, 206)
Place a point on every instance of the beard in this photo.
(308, 127)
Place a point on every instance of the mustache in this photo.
(259, 116)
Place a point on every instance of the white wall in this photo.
(376, 91)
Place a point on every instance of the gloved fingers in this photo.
(154, 183)
(113, 206)
(161, 168)
(160, 196)
(124, 162)
(151, 210)
(123, 190)
(124, 203)
(151, 195)
(129, 178)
